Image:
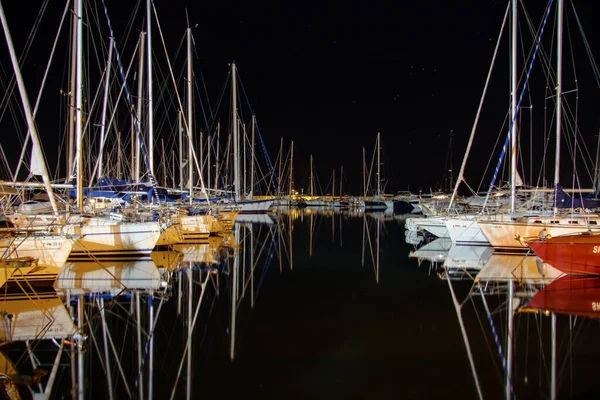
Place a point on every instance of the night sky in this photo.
(330, 75)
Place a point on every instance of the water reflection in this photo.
(302, 291)
(532, 321)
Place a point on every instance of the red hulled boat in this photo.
(572, 254)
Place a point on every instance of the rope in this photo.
(512, 123)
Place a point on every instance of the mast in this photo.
(208, 151)
(559, 41)
(190, 115)
(378, 164)
(150, 105)
(37, 146)
(364, 174)
(341, 173)
(201, 157)
(180, 126)
(137, 138)
(252, 158)
(234, 121)
(311, 177)
(291, 170)
(280, 162)
(104, 105)
(244, 161)
(71, 137)
(333, 186)
(513, 109)
(79, 103)
(218, 148)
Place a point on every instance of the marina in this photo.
(178, 222)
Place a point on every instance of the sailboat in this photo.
(504, 234)
(577, 253)
(247, 205)
(50, 248)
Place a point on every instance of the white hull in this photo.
(466, 231)
(49, 250)
(503, 235)
(106, 237)
(246, 206)
(433, 225)
(195, 228)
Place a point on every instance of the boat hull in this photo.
(49, 250)
(571, 254)
(101, 237)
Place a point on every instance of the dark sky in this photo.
(330, 75)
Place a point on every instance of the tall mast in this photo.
(201, 157)
(559, 41)
(150, 105)
(252, 158)
(280, 162)
(218, 149)
(244, 160)
(234, 121)
(37, 146)
(180, 127)
(291, 169)
(190, 115)
(79, 103)
(311, 177)
(378, 165)
(139, 110)
(209, 164)
(71, 137)
(513, 109)
(364, 174)
(333, 186)
(104, 105)
(341, 174)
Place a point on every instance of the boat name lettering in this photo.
(596, 249)
(596, 305)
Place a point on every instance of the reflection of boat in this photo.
(468, 257)
(572, 254)
(205, 253)
(108, 276)
(435, 251)
(508, 267)
(573, 295)
(35, 319)
(254, 219)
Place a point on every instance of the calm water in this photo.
(323, 320)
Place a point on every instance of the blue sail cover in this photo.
(563, 200)
(121, 188)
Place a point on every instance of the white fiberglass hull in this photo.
(49, 250)
(433, 225)
(503, 235)
(466, 231)
(106, 237)
(195, 228)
